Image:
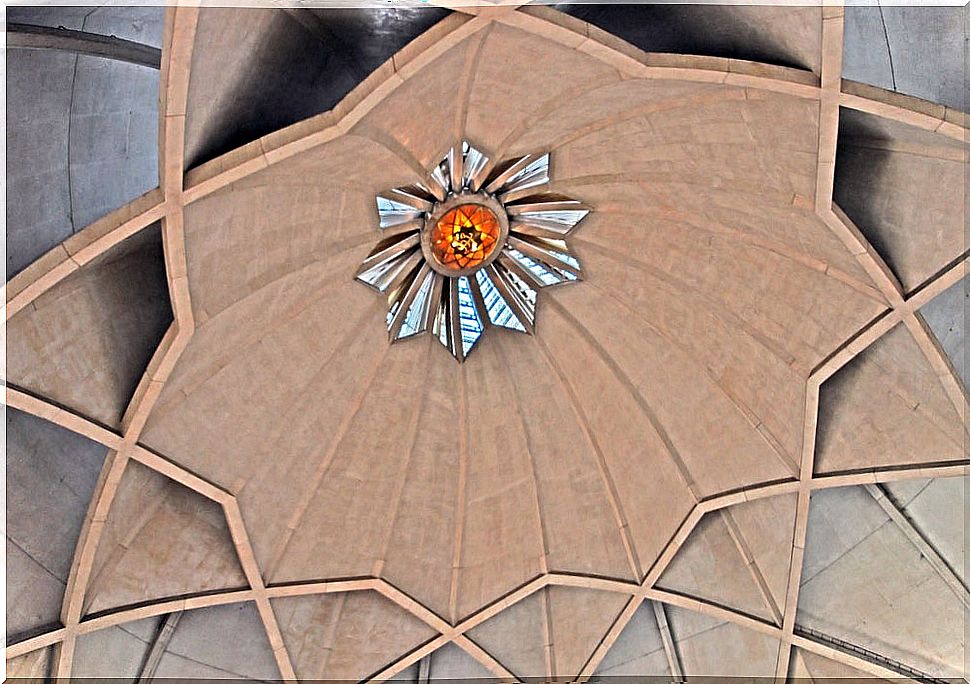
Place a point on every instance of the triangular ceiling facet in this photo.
(812, 667)
(450, 662)
(710, 648)
(51, 475)
(886, 407)
(118, 651)
(347, 636)
(160, 539)
(711, 567)
(638, 651)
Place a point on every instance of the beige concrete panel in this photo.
(821, 668)
(31, 666)
(424, 116)
(583, 533)
(607, 103)
(518, 73)
(578, 619)
(721, 649)
(751, 369)
(291, 215)
(710, 567)
(725, 143)
(886, 407)
(160, 539)
(766, 526)
(419, 547)
(938, 511)
(75, 344)
(651, 490)
(502, 541)
(718, 443)
(341, 533)
(346, 636)
(517, 636)
(638, 651)
(882, 595)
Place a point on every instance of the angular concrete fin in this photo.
(51, 475)
(711, 567)
(578, 621)
(348, 636)
(867, 583)
(886, 407)
(221, 642)
(86, 342)
(450, 662)
(516, 636)
(638, 651)
(708, 647)
(160, 539)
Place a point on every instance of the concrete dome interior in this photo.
(736, 448)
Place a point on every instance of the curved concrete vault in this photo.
(639, 482)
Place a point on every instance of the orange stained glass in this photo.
(465, 236)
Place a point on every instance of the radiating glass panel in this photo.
(498, 310)
(394, 213)
(535, 173)
(383, 274)
(561, 217)
(546, 273)
(475, 161)
(471, 324)
(415, 315)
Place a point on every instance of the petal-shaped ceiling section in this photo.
(340, 528)
(424, 116)
(712, 648)
(451, 663)
(508, 91)
(160, 539)
(221, 642)
(711, 565)
(787, 36)
(892, 180)
(811, 667)
(917, 50)
(86, 342)
(638, 651)
(33, 666)
(886, 407)
(296, 63)
(51, 474)
(348, 636)
(946, 316)
(118, 651)
(867, 583)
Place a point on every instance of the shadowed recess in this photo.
(262, 70)
(904, 189)
(82, 131)
(86, 342)
(786, 36)
(51, 474)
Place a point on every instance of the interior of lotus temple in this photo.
(486, 340)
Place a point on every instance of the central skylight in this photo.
(470, 247)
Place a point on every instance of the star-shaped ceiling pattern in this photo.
(648, 458)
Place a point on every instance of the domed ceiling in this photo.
(734, 446)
